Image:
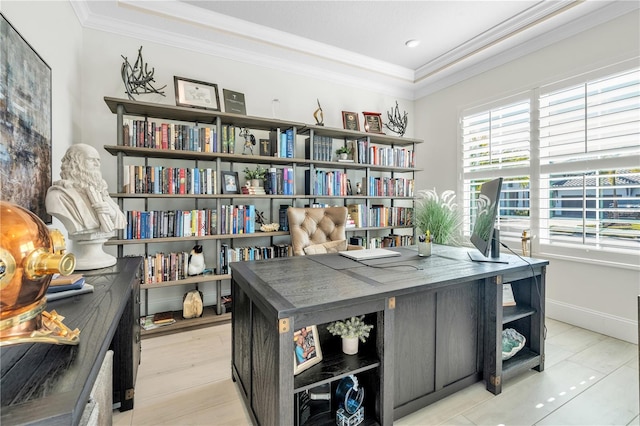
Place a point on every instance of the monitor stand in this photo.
(495, 257)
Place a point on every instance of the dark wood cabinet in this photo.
(437, 325)
(50, 384)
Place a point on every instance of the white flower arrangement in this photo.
(352, 327)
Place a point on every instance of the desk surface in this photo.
(298, 284)
(44, 383)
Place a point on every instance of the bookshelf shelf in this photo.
(209, 317)
(147, 146)
(191, 280)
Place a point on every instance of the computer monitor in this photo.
(484, 236)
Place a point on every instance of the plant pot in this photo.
(350, 345)
(255, 183)
(343, 156)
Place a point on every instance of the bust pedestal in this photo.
(89, 251)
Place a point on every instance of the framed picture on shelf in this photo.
(196, 94)
(230, 183)
(25, 127)
(306, 348)
(234, 102)
(350, 120)
(372, 122)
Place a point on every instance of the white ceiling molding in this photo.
(210, 33)
(312, 67)
(265, 35)
(490, 59)
(493, 36)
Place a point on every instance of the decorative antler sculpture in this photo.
(397, 123)
(137, 78)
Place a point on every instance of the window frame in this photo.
(588, 254)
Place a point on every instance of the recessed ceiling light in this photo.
(412, 43)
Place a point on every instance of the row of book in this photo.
(389, 187)
(163, 267)
(279, 181)
(283, 142)
(366, 153)
(380, 215)
(170, 223)
(330, 183)
(391, 240)
(140, 179)
(241, 254)
(204, 138)
(238, 219)
(173, 136)
(320, 148)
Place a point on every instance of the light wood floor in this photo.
(589, 379)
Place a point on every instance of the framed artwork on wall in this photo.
(196, 94)
(25, 131)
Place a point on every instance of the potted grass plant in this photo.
(351, 330)
(437, 217)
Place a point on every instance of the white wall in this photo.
(55, 33)
(593, 296)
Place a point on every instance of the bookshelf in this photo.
(153, 151)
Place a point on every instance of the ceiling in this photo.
(358, 42)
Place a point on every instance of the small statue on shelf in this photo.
(196, 261)
(249, 140)
(319, 115)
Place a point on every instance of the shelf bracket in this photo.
(392, 302)
(283, 325)
(497, 280)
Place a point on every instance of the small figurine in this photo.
(358, 189)
(196, 261)
(249, 140)
(318, 113)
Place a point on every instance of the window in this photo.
(497, 143)
(589, 164)
(581, 145)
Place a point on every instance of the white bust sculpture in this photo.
(80, 201)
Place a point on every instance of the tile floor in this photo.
(589, 379)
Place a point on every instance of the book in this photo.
(58, 279)
(507, 295)
(77, 284)
(86, 288)
(163, 318)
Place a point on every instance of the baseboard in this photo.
(600, 322)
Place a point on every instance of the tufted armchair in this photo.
(317, 230)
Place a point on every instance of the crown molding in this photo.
(273, 49)
(264, 35)
(495, 57)
(336, 72)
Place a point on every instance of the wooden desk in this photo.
(437, 322)
(50, 384)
